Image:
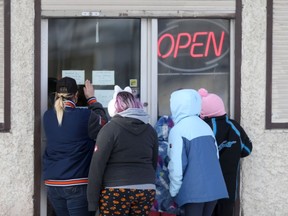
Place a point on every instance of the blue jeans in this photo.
(69, 200)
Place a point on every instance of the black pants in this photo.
(199, 209)
(224, 207)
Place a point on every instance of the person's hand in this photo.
(88, 89)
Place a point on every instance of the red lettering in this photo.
(197, 44)
(178, 46)
(218, 50)
(171, 48)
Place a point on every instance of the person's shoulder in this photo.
(82, 110)
(236, 125)
(110, 125)
(150, 126)
(234, 122)
(152, 130)
(49, 112)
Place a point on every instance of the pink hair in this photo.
(125, 100)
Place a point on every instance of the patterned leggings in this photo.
(126, 202)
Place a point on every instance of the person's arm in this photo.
(103, 148)
(246, 144)
(175, 162)
(98, 117)
(155, 150)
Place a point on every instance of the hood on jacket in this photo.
(184, 103)
(134, 120)
(136, 113)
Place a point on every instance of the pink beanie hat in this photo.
(212, 104)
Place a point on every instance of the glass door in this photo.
(105, 51)
(153, 56)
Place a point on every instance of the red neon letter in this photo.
(197, 44)
(171, 48)
(177, 47)
(212, 36)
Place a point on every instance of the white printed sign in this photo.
(78, 75)
(104, 96)
(103, 77)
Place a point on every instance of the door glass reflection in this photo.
(109, 48)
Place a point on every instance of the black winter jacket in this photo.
(233, 144)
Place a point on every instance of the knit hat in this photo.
(111, 104)
(212, 104)
(66, 85)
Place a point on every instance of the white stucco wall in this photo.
(265, 172)
(16, 155)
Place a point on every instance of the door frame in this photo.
(149, 84)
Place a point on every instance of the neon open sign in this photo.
(193, 45)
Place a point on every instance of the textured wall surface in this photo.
(16, 155)
(265, 172)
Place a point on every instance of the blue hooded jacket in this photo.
(194, 169)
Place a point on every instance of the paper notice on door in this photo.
(104, 96)
(78, 75)
(103, 77)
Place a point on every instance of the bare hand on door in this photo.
(88, 89)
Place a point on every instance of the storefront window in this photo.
(193, 53)
(106, 51)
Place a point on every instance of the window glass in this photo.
(193, 53)
(106, 51)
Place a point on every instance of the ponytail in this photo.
(59, 105)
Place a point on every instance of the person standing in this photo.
(163, 205)
(196, 180)
(70, 134)
(233, 144)
(122, 171)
